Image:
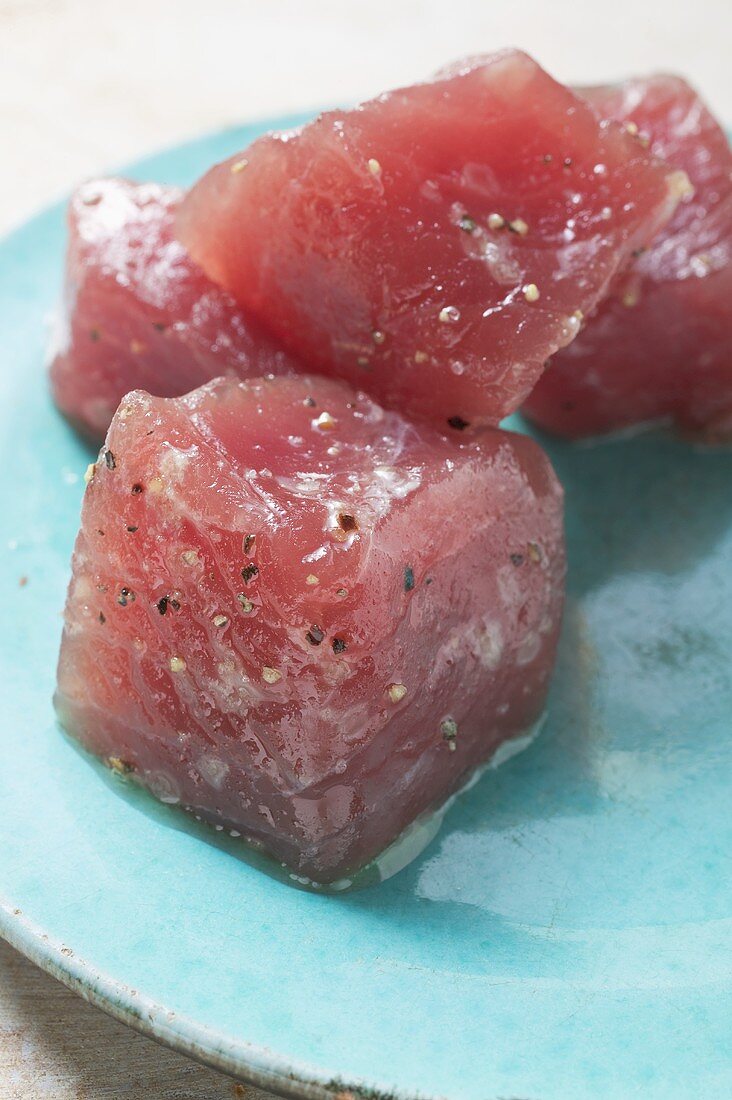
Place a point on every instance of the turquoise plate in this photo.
(569, 933)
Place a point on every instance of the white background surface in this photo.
(86, 85)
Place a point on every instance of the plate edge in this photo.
(152, 1020)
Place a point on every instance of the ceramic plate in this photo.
(569, 933)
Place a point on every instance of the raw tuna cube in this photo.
(138, 313)
(436, 245)
(660, 347)
(304, 618)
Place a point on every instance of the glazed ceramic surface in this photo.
(567, 935)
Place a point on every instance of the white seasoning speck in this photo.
(378, 337)
(220, 620)
(680, 186)
(239, 166)
(519, 226)
(496, 221)
(374, 167)
(396, 692)
(325, 422)
(90, 472)
(177, 664)
(701, 265)
(531, 292)
(449, 315)
(271, 675)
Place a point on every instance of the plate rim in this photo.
(243, 1061)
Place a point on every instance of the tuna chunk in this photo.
(660, 347)
(304, 618)
(138, 313)
(435, 245)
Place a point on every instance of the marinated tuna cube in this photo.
(302, 617)
(435, 245)
(660, 346)
(138, 313)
